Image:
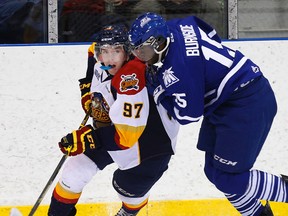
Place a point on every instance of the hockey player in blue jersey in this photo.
(194, 76)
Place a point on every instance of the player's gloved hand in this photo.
(78, 141)
(153, 85)
(85, 94)
(86, 101)
(151, 79)
(100, 111)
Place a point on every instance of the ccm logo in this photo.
(224, 161)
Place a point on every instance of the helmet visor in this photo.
(149, 48)
(107, 51)
(144, 52)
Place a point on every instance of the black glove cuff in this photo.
(84, 85)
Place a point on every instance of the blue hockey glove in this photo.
(153, 85)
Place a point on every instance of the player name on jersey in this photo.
(190, 40)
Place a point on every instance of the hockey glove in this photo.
(85, 94)
(153, 85)
(151, 79)
(100, 111)
(78, 141)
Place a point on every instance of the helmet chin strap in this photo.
(160, 53)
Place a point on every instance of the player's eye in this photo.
(104, 51)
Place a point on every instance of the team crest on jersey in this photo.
(169, 77)
(129, 82)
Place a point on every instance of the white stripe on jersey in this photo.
(234, 70)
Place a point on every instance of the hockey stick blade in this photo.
(16, 212)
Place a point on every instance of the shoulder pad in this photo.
(130, 79)
(91, 50)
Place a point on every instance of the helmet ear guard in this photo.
(156, 42)
(161, 41)
(161, 52)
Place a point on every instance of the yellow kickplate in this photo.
(215, 207)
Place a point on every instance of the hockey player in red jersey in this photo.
(128, 129)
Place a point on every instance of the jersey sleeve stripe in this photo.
(128, 135)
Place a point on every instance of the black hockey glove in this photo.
(85, 85)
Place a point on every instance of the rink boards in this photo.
(215, 207)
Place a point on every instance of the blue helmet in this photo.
(147, 25)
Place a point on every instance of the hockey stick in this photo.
(15, 212)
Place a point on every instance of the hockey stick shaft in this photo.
(53, 176)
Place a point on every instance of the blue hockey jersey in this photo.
(199, 73)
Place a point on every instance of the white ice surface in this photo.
(40, 102)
